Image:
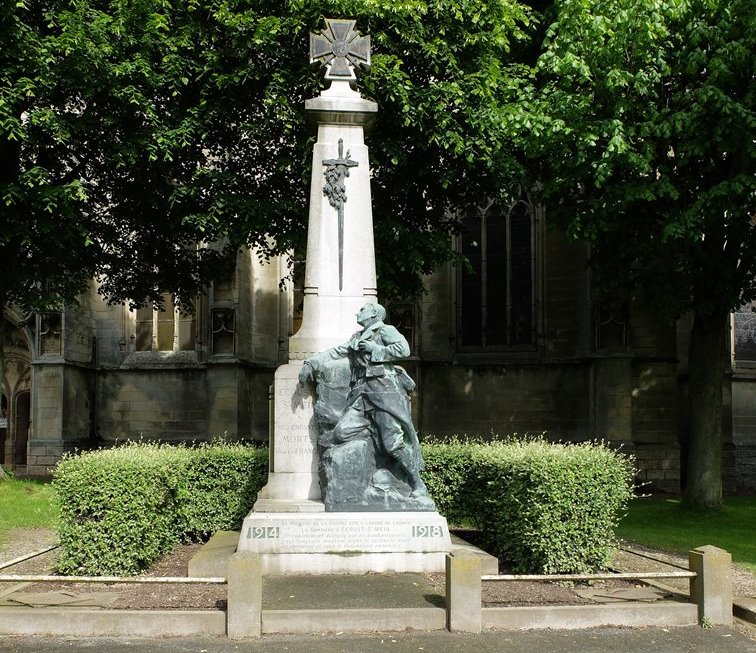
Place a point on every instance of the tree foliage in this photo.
(650, 144)
(136, 130)
(646, 121)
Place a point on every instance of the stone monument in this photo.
(375, 513)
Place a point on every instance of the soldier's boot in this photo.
(407, 461)
(419, 489)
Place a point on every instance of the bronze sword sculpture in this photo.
(335, 189)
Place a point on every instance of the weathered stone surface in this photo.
(293, 477)
(341, 532)
(711, 589)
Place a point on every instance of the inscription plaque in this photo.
(344, 532)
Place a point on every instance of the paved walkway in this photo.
(690, 639)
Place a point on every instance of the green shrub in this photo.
(118, 508)
(122, 508)
(447, 470)
(222, 482)
(547, 508)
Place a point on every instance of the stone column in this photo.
(463, 593)
(339, 279)
(244, 610)
(334, 292)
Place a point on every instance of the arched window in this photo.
(166, 329)
(743, 331)
(496, 285)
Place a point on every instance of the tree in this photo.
(644, 132)
(124, 123)
(134, 133)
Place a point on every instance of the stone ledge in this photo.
(211, 561)
(569, 617)
(84, 622)
(744, 608)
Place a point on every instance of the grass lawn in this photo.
(663, 523)
(26, 504)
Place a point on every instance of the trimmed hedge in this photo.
(545, 507)
(122, 508)
(222, 482)
(549, 508)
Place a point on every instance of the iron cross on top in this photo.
(340, 48)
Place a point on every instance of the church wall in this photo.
(744, 409)
(237, 398)
(436, 316)
(110, 328)
(572, 385)
(741, 461)
(564, 385)
(46, 444)
(654, 389)
(482, 400)
(78, 330)
(164, 404)
(655, 424)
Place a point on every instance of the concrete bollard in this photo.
(463, 589)
(711, 589)
(244, 610)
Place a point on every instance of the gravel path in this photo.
(21, 541)
(633, 557)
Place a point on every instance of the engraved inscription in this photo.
(427, 531)
(342, 535)
(263, 533)
(295, 440)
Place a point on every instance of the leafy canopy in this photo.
(647, 126)
(138, 131)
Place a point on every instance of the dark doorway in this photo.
(3, 428)
(21, 420)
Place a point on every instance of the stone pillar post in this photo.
(711, 589)
(463, 593)
(244, 610)
(339, 279)
(340, 270)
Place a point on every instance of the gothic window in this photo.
(496, 296)
(744, 336)
(610, 325)
(50, 333)
(164, 330)
(224, 340)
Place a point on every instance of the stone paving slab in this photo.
(339, 592)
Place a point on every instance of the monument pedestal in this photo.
(293, 477)
(347, 543)
(288, 525)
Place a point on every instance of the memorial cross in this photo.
(340, 48)
(335, 189)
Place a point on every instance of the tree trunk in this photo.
(706, 360)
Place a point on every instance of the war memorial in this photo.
(344, 493)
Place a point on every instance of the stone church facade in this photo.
(511, 344)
